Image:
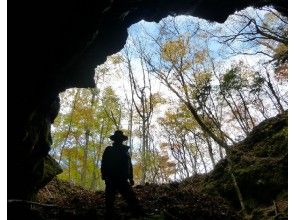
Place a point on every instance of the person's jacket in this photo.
(116, 163)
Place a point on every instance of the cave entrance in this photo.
(169, 78)
(194, 93)
(188, 90)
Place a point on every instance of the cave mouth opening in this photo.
(57, 46)
(150, 88)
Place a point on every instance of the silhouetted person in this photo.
(117, 172)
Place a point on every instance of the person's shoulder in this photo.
(108, 148)
(125, 147)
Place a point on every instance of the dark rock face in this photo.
(57, 45)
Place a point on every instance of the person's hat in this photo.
(118, 135)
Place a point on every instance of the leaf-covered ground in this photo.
(170, 201)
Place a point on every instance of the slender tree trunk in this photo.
(69, 166)
(70, 124)
(184, 158)
(93, 185)
(204, 127)
(193, 159)
(143, 156)
(246, 110)
(209, 146)
(263, 109)
(200, 153)
(130, 128)
(85, 158)
(203, 161)
(221, 152)
(270, 86)
(96, 180)
(86, 148)
(243, 123)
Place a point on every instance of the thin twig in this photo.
(31, 203)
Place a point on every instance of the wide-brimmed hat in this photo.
(118, 135)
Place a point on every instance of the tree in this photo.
(84, 126)
(144, 102)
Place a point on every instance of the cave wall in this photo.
(57, 45)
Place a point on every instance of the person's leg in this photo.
(110, 192)
(129, 195)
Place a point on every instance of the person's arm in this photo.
(131, 171)
(103, 172)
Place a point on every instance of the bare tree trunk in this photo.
(237, 114)
(246, 110)
(143, 154)
(96, 181)
(204, 127)
(93, 185)
(144, 110)
(130, 128)
(69, 165)
(70, 124)
(86, 147)
(203, 161)
(221, 152)
(85, 158)
(271, 88)
(209, 146)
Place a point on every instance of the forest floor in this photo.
(168, 201)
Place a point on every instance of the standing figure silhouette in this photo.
(117, 172)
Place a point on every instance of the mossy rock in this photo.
(259, 163)
(46, 170)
